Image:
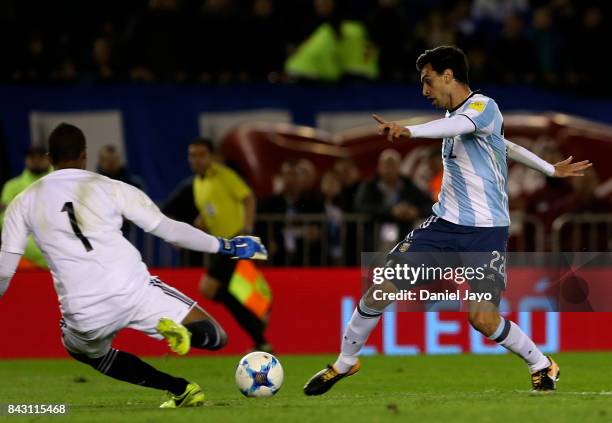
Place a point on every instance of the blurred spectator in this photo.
(465, 28)
(389, 28)
(494, 12)
(36, 166)
(225, 41)
(481, 69)
(435, 31)
(436, 168)
(110, 165)
(546, 40)
(34, 64)
(348, 173)
(331, 188)
(338, 48)
(523, 181)
(590, 28)
(265, 49)
(582, 198)
(291, 242)
(575, 196)
(308, 178)
(155, 41)
(103, 61)
(515, 64)
(544, 203)
(392, 199)
(217, 37)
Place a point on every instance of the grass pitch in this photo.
(463, 388)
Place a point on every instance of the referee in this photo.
(225, 207)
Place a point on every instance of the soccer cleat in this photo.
(177, 335)
(326, 378)
(192, 397)
(265, 347)
(546, 379)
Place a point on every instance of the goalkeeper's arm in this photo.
(8, 265)
(186, 236)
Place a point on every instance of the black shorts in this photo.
(222, 268)
(439, 243)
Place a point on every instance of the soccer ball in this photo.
(259, 374)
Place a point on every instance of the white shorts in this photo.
(159, 300)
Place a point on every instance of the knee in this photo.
(208, 287)
(372, 304)
(222, 338)
(85, 359)
(484, 322)
(382, 302)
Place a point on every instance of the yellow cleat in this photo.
(192, 397)
(177, 335)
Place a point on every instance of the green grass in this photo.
(462, 388)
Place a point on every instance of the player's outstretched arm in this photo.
(8, 266)
(392, 130)
(437, 129)
(136, 206)
(562, 169)
(186, 236)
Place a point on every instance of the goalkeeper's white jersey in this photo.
(75, 217)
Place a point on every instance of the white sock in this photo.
(358, 330)
(510, 336)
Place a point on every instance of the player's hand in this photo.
(566, 168)
(392, 130)
(243, 247)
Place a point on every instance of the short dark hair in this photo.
(66, 143)
(36, 150)
(446, 57)
(204, 142)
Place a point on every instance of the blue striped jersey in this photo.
(474, 186)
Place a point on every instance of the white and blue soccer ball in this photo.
(259, 374)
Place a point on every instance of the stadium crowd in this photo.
(313, 218)
(545, 42)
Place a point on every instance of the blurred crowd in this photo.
(330, 217)
(400, 195)
(546, 42)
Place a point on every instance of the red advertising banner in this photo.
(310, 306)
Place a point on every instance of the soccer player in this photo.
(103, 286)
(471, 215)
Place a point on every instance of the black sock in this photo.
(129, 368)
(205, 334)
(245, 317)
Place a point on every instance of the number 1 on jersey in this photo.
(68, 207)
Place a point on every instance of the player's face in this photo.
(434, 87)
(37, 163)
(199, 159)
(389, 170)
(109, 161)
